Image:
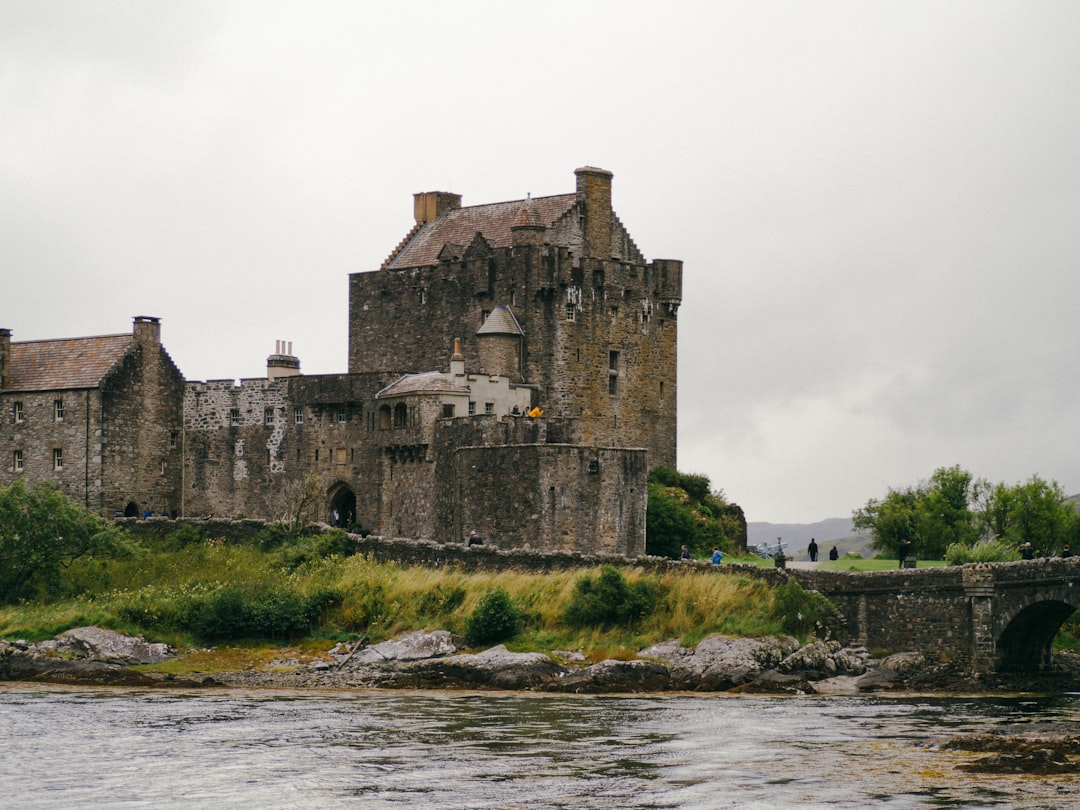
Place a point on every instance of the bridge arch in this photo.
(1025, 641)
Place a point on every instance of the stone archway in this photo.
(342, 502)
(1027, 643)
(131, 510)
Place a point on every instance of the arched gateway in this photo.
(341, 502)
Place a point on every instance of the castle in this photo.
(478, 316)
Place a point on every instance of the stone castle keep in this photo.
(479, 314)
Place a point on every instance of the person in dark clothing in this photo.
(684, 554)
(1066, 551)
(474, 539)
(834, 554)
(812, 549)
(905, 550)
(1027, 552)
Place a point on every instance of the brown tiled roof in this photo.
(458, 226)
(430, 382)
(47, 365)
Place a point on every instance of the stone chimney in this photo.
(147, 330)
(5, 356)
(594, 200)
(282, 363)
(428, 206)
(457, 360)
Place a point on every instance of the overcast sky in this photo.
(877, 204)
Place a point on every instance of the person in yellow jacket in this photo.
(536, 413)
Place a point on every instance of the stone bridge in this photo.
(990, 617)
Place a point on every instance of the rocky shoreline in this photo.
(436, 660)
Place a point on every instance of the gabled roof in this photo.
(459, 226)
(65, 363)
(430, 382)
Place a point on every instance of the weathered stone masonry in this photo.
(478, 315)
(986, 617)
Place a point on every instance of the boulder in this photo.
(496, 668)
(614, 676)
(721, 662)
(99, 644)
(416, 646)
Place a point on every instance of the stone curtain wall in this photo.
(435, 555)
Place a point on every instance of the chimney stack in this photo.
(457, 360)
(428, 206)
(5, 356)
(594, 199)
(282, 363)
(147, 330)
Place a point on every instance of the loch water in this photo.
(81, 747)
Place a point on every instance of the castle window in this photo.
(661, 391)
(384, 417)
(484, 315)
(162, 467)
(613, 373)
(571, 312)
(298, 416)
(173, 436)
(58, 409)
(268, 415)
(17, 412)
(234, 417)
(400, 415)
(17, 461)
(342, 414)
(316, 453)
(57, 458)
(472, 408)
(489, 407)
(448, 410)
(614, 313)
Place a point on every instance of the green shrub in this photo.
(797, 610)
(496, 618)
(983, 551)
(244, 611)
(609, 600)
(183, 536)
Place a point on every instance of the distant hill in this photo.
(837, 532)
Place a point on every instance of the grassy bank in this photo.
(200, 593)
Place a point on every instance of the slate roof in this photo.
(430, 382)
(64, 363)
(501, 321)
(458, 226)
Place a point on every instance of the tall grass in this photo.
(200, 593)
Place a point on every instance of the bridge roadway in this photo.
(989, 617)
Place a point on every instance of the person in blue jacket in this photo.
(717, 556)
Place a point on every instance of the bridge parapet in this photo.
(984, 616)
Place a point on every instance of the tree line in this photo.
(955, 509)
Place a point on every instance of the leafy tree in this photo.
(41, 533)
(932, 515)
(1035, 512)
(682, 510)
(954, 511)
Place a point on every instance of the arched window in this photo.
(400, 415)
(384, 417)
